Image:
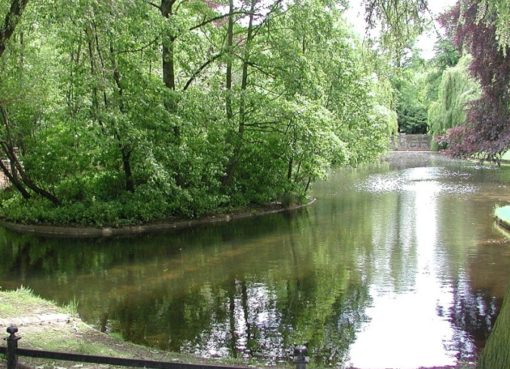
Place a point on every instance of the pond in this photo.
(395, 266)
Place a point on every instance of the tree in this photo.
(487, 129)
(11, 141)
(456, 90)
(496, 14)
(142, 110)
(11, 21)
(400, 22)
(409, 83)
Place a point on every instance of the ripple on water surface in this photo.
(434, 179)
(405, 271)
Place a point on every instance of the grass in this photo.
(23, 302)
(503, 216)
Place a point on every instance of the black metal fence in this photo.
(12, 352)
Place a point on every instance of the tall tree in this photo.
(487, 129)
(11, 21)
(400, 22)
(16, 173)
(456, 90)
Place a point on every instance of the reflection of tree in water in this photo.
(258, 313)
(247, 319)
(254, 288)
(330, 326)
(473, 314)
(247, 289)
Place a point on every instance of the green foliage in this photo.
(495, 355)
(497, 13)
(446, 56)
(121, 113)
(456, 90)
(400, 23)
(410, 84)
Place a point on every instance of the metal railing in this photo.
(12, 352)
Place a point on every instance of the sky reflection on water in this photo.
(395, 266)
(421, 341)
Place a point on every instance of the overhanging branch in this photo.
(11, 21)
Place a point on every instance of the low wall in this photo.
(405, 142)
(96, 232)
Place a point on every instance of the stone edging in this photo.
(102, 232)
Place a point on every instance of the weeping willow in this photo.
(497, 13)
(456, 89)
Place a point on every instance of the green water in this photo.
(394, 266)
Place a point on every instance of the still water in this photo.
(395, 266)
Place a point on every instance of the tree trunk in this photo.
(34, 187)
(128, 173)
(16, 167)
(124, 148)
(168, 62)
(11, 21)
(289, 168)
(230, 42)
(234, 159)
(14, 180)
(168, 47)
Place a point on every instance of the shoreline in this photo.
(502, 216)
(44, 325)
(149, 228)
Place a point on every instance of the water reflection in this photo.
(395, 266)
(413, 261)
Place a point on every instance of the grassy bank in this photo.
(502, 215)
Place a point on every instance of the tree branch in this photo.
(200, 69)
(154, 5)
(11, 21)
(141, 48)
(210, 20)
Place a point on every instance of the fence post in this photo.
(12, 347)
(300, 358)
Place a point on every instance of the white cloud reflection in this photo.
(423, 342)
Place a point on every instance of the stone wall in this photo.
(405, 142)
